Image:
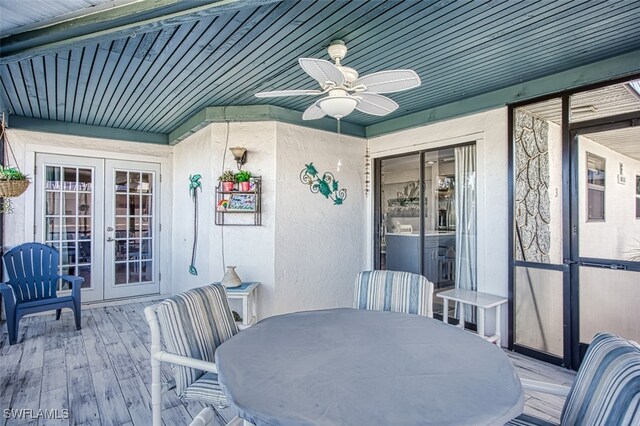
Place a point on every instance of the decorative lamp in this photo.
(240, 155)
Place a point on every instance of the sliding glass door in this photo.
(401, 204)
(426, 218)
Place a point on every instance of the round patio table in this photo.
(358, 367)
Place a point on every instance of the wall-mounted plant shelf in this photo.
(231, 203)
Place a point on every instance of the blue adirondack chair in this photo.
(32, 285)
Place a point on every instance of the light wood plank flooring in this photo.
(101, 374)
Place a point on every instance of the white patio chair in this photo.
(193, 325)
(606, 390)
(394, 291)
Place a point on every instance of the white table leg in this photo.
(254, 310)
(481, 322)
(498, 317)
(245, 310)
(445, 311)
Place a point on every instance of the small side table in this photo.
(248, 294)
(482, 301)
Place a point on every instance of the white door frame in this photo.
(101, 149)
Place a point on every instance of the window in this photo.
(637, 197)
(595, 187)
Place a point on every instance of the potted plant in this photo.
(243, 177)
(228, 179)
(13, 183)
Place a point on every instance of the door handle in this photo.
(110, 239)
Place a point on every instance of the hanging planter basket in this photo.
(13, 188)
(13, 182)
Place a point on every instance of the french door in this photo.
(103, 217)
(131, 218)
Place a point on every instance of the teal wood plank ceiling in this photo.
(20, 15)
(155, 80)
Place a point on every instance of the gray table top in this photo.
(357, 367)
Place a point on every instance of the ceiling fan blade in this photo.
(322, 71)
(288, 93)
(389, 81)
(374, 104)
(313, 113)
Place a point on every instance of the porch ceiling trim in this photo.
(609, 69)
(75, 129)
(138, 18)
(258, 113)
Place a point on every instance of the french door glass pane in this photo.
(134, 218)
(67, 224)
(52, 203)
(538, 300)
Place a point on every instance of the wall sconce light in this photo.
(240, 155)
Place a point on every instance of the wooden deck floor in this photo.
(101, 374)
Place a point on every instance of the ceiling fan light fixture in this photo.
(345, 89)
(338, 106)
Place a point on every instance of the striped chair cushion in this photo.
(194, 324)
(206, 389)
(526, 420)
(607, 387)
(394, 291)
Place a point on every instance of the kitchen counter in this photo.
(403, 252)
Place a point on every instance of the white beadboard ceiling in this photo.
(624, 141)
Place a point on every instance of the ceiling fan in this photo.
(345, 90)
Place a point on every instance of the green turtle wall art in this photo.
(326, 184)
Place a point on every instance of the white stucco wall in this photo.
(249, 248)
(307, 251)
(19, 226)
(489, 131)
(320, 247)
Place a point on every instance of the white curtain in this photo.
(466, 224)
